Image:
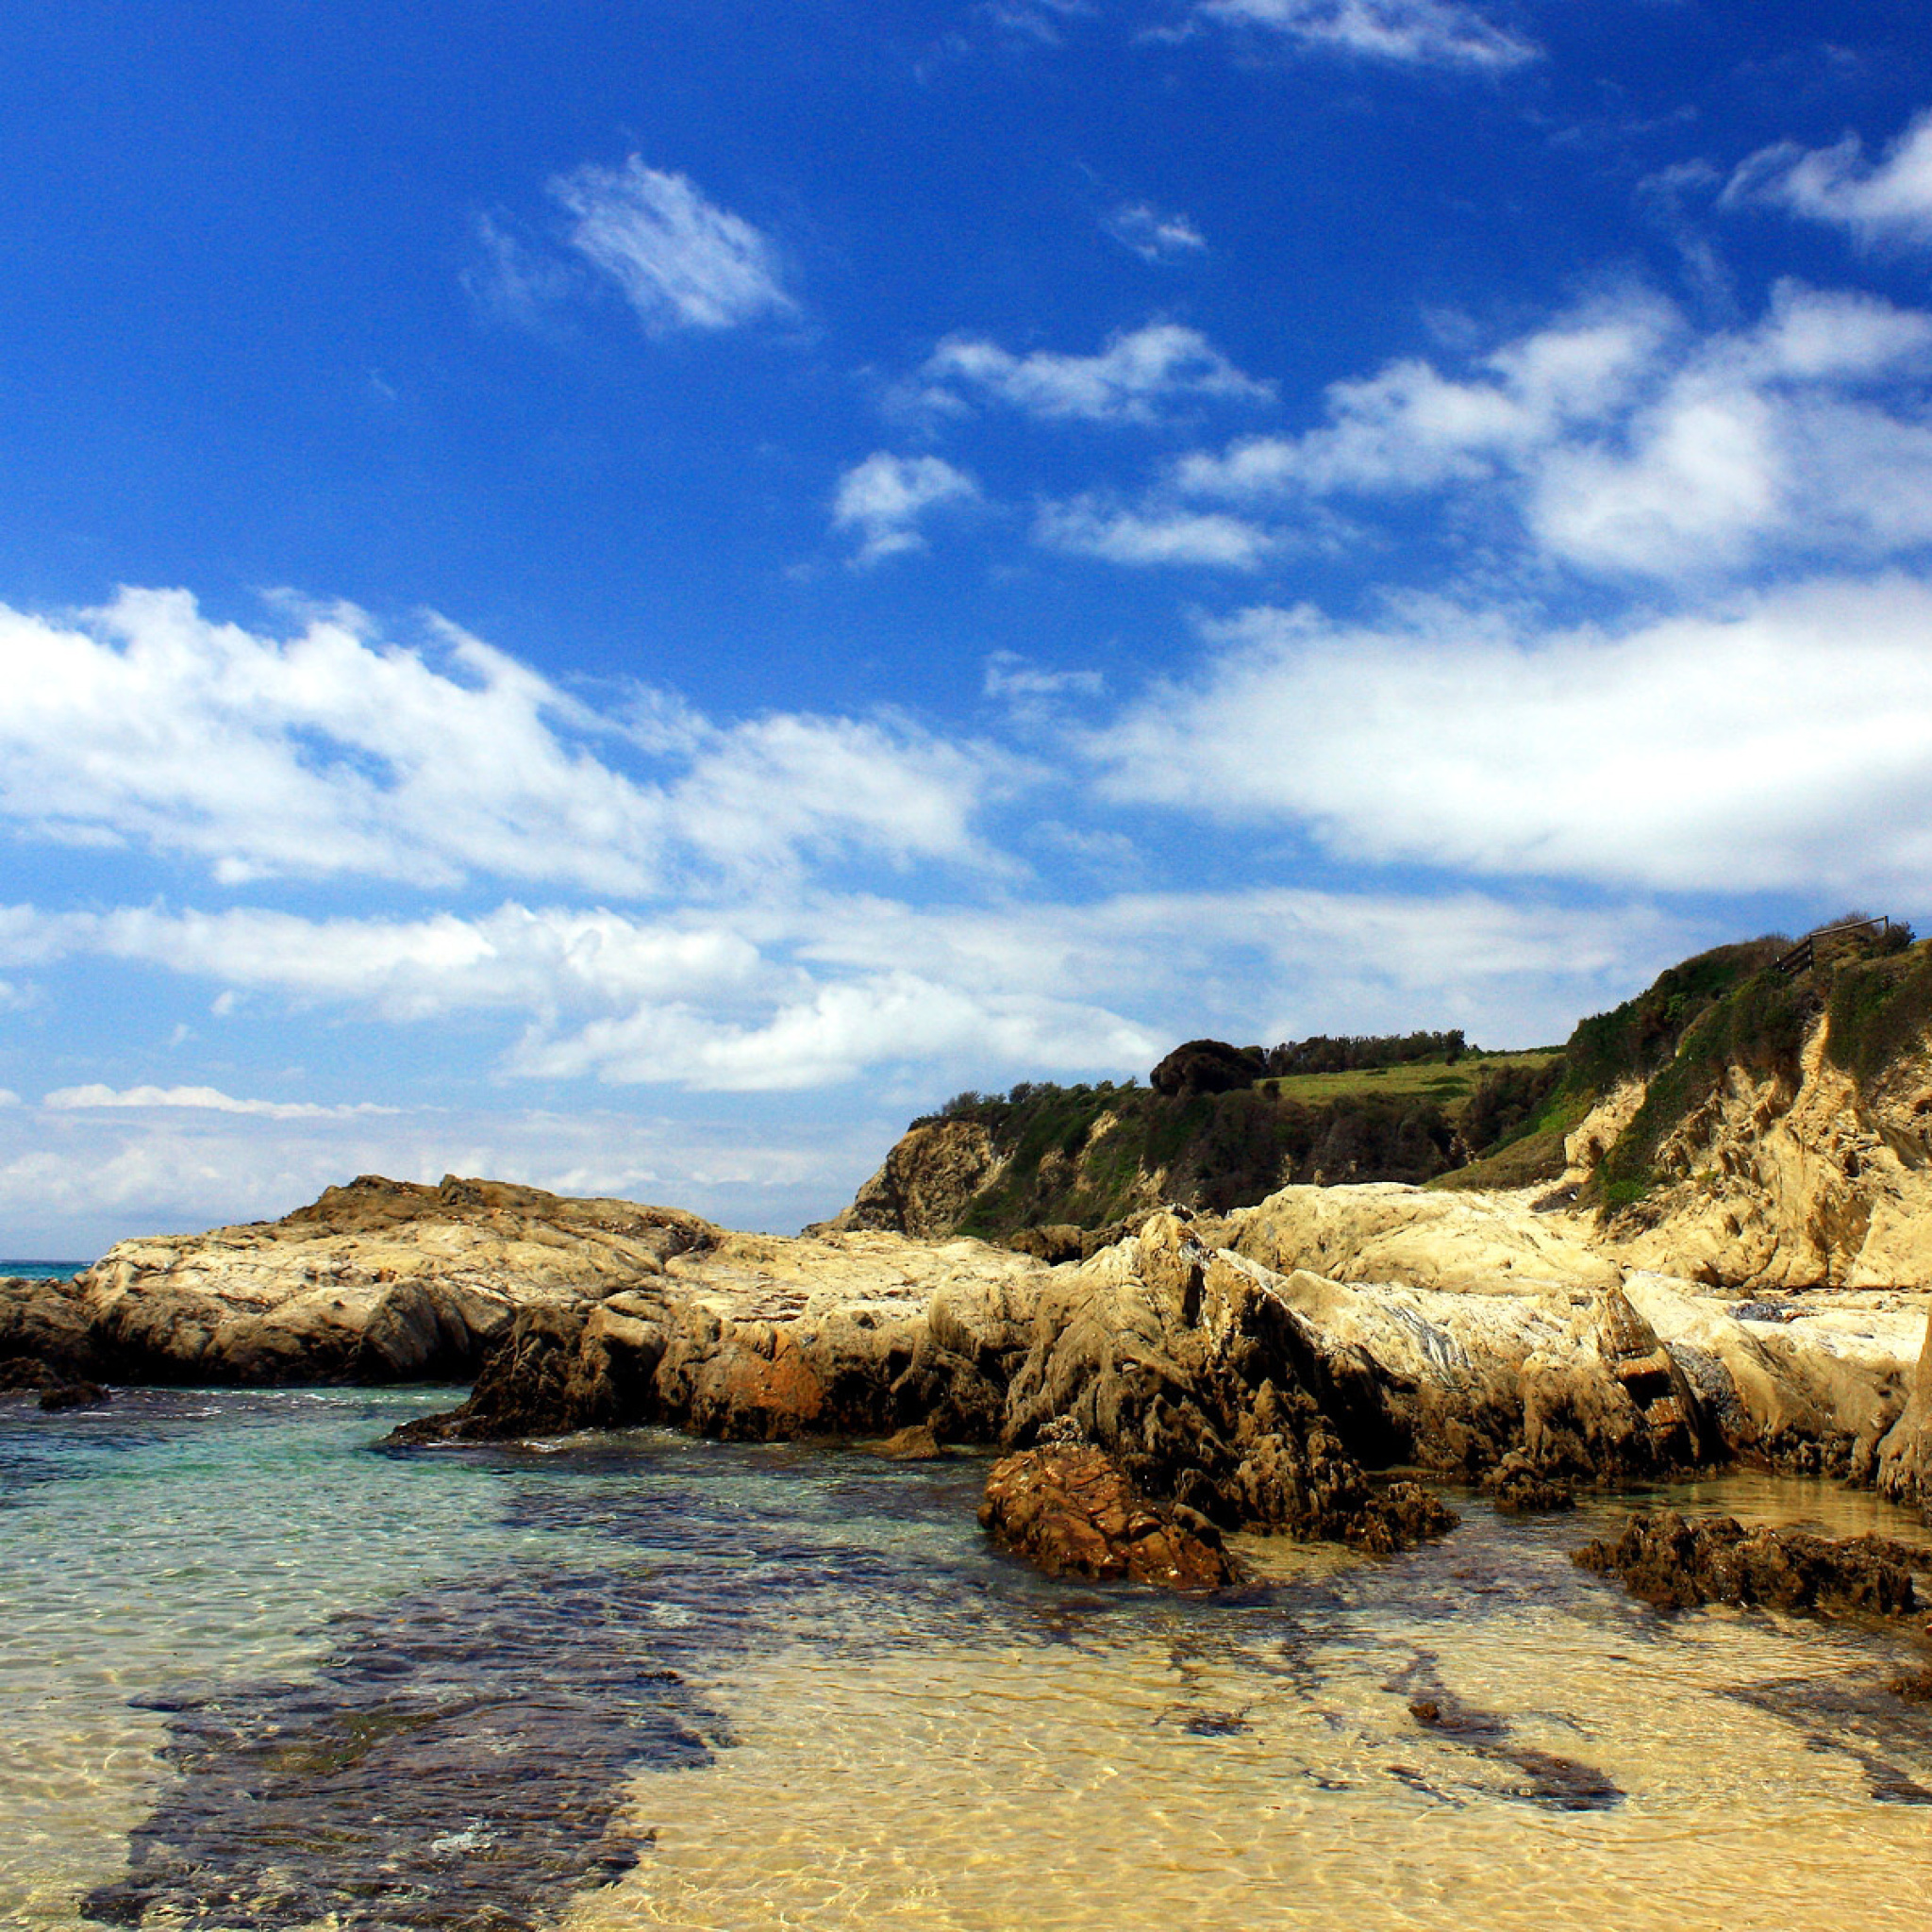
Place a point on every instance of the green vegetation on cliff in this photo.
(1222, 1127)
(1091, 1155)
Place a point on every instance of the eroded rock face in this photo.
(1903, 1472)
(1190, 1369)
(1778, 1184)
(926, 1182)
(46, 1321)
(1070, 1511)
(1678, 1564)
(378, 1281)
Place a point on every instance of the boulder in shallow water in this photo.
(1677, 1564)
(1070, 1511)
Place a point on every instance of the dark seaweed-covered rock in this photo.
(1519, 1488)
(1069, 1510)
(1678, 1564)
(73, 1395)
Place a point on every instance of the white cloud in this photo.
(1889, 200)
(8, 1097)
(334, 752)
(1624, 444)
(74, 1181)
(884, 498)
(1015, 679)
(1153, 234)
(1425, 33)
(1092, 526)
(206, 1100)
(1410, 428)
(513, 281)
(681, 261)
(1133, 379)
(1783, 742)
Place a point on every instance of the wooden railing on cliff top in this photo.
(1804, 956)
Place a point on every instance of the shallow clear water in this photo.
(259, 1672)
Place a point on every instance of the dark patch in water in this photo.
(1859, 1718)
(1554, 1782)
(458, 1762)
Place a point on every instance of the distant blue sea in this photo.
(41, 1271)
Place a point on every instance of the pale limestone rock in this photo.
(1464, 1243)
(1778, 1187)
(1586, 1145)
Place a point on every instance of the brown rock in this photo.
(1678, 1564)
(916, 1443)
(1070, 1511)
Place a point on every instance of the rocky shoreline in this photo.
(1287, 1367)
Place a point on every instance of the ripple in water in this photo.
(270, 1677)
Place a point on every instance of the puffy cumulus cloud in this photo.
(1153, 234)
(872, 1021)
(335, 751)
(1888, 200)
(1410, 428)
(681, 261)
(206, 1100)
(1158, 534)
(1419, 33)
(883, 498)
(1729, 751)
(1135, 379)
(1624, 444)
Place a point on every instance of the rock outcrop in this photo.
(378, 1281)
(926, 1183)
(1070, 1511)
(1678, 1564)
(1772, 1182)
(1904, 1458)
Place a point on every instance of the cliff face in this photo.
(927, 1181)
(1771, 1181)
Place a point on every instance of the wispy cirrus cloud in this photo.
(1135, 377)
(680, 260)
(883, 498)
(1096, 525)
(1416, 33)
(206, 1100)
(1885, 200)
(1156, 235)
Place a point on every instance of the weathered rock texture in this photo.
(1069, 1510)
(1257, 1370)
(1678, 1564)
(378, 1281)
(1780, 1183)
(928, 1178)
(1904, 1470)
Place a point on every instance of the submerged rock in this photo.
(1678, 1564)
(1070, 1511)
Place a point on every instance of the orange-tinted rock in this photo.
(1069, 1510)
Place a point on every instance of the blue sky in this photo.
(625, 596)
